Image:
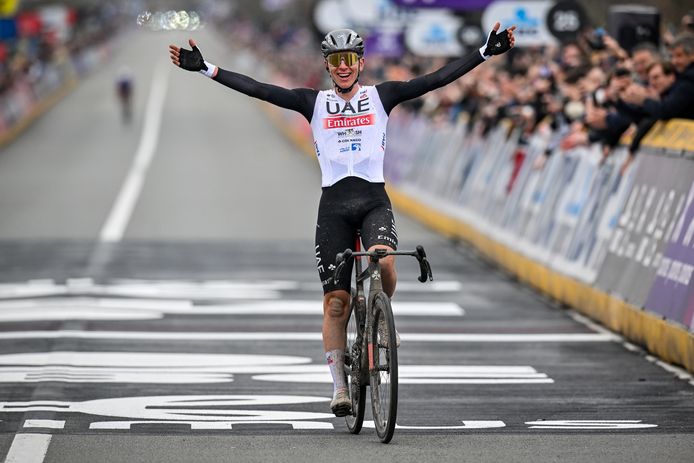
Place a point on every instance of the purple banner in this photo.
(389, 44)
(672, 294)
(450, 4)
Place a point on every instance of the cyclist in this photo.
(124, 91)
(349, 131)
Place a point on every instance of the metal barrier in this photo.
(561, 215)
(576, 215)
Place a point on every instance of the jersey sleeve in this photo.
(301, 100)
(393, 93)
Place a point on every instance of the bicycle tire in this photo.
(357, 391)
(384, 374)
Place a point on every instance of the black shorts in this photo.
(351, 204)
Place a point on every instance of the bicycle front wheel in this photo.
(353, 367)
(383, 366)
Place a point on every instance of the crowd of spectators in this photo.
(39, 58)
(590, 90)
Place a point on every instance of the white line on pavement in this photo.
(28, 448)
(125, 203)
(284, 336)
(48, 424)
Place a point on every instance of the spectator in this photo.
(661, 80)
(678, 100)
(682, 55)
(642, 57)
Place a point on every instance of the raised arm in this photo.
(301, 100)
(393, 93)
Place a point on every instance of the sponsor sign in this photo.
(447, 4)
(672, 293)
(434, 34)
(653, 209)
(566, 20)
(530, 19)
(386, 42)
(360, 15)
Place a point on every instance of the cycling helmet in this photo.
(342, 40)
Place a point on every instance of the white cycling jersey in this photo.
(350, 136)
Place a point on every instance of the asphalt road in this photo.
(159, 301)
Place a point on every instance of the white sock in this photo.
(336, 362)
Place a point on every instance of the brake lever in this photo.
(424, 266)
(340, 259)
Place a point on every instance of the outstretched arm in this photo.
(393, 93)
(301, 100)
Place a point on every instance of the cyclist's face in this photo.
(344, 67)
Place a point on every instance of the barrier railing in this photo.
(561, 215)
(623, 240)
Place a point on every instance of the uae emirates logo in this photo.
(342, 122)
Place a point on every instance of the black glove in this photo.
(497, 43)
(192, 60)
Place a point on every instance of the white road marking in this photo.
(127, 198)
(162, 360)
(28, 448)
(428, 374)
(613, 425)
(215, 289)
(444, 286)
(284, 336)
(48, 424)
(209, 425)
(118, 308)
(187, 368)
(209, 290)
(86, 308)
(677, 371)
(183, 408)
(315, 307)
(109, 375)
(466, 425)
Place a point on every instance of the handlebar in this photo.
(424, 266)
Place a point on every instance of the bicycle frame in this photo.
(373, 274)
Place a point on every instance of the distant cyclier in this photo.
(169, 20)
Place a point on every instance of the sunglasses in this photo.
(349, 57)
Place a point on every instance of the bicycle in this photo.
(371, 329)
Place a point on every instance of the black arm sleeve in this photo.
(301, 100)
(393, 93)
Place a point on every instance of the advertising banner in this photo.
(672, 293)
(385, 43)
(434, 34)
(530, 19)
(655, 205)
(448, 4)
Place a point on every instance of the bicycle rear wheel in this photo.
(383, 368)
(353, 367)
